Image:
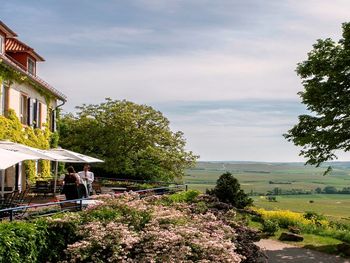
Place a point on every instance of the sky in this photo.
(222, 71)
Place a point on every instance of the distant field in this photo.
(256, 177)
(334, 206)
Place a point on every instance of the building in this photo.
(34, 101)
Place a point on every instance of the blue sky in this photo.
(222, 71)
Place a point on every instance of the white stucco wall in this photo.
(14, 101)
(15, 92)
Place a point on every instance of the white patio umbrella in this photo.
(38, 153)
(24, 149)
(72, 157)
(9, 158)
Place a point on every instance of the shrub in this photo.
(20, 242)
(185, 196)
(311, 215)
(270, 227)
(60, 231)
(129, 229)
(228, 190)
(104, 214)
(284, 218)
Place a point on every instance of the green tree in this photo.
(330, 190)
(134, 140)
(318, 190)
(326, 79)
(228, 190)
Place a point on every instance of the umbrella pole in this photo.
(2, 173)
(55, 182)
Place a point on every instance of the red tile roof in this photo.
(14, 45)
(8, 31)
(8, 61)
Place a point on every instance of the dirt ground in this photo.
(279, 252)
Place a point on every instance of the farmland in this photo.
(259, 178)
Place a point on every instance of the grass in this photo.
(336, 207)
(319, 243)
(256, 177)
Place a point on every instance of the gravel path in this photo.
(279, 252)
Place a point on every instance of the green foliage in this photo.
(311, 215)
(13, 130)
(270, 227)
(185, 196)
(228, 190)
(105, 214)
(134, 140)
(330, 190)
(326, 79)
(20, 242)
(11, 75)
(58, 232)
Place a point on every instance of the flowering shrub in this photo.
(286, 218)
(146, 231)
(125, 228)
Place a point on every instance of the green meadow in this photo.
(263, 177)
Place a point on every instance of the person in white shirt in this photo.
(86, 179)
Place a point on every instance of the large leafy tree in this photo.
(134, 140)
(326, 79)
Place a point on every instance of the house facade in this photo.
(25, 94)
(34, 101)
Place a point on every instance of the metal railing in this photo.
(99, 179)
(9, 213)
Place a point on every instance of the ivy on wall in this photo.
(11, 75)
(13, 130)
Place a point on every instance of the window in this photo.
(2, 44)
(31, 66)
(4, 102)
(24, 109)
(52, 120)
(37, 112)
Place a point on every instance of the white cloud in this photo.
(243, 57)
(171, 78)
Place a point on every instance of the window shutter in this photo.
(30, 112)
(35, 113)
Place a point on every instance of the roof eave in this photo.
(59, 95)
(9, 32)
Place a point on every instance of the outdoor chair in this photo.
(42, 187)
(59, 186)
(9, 200)
(21, 198)
(68, 206)
(96, 187)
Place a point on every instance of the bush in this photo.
(228, 190)
(185, 196)
(129, 229)
(104, 214)
(270, 227)
(284, 218)
(60, 231)
(20, 242)
(311, 215)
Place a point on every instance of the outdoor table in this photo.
(118, 189)
(87, 202)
